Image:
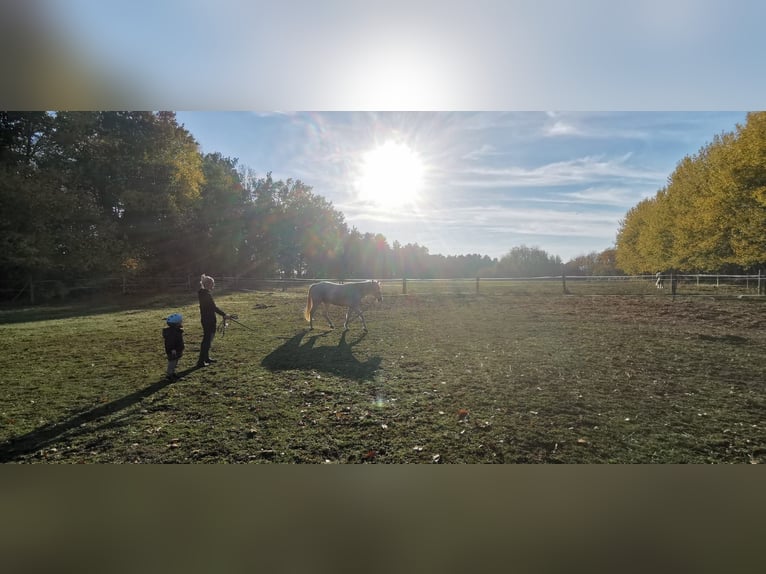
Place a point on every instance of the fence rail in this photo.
(37, 291)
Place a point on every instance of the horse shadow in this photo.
(47, 435)
(337, 360)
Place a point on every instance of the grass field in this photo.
(518, 373)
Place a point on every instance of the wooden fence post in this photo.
(673, 282)
(404, 285)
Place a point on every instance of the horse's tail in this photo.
(309, 305)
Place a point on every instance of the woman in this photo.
(207, 312)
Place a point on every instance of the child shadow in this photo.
(47, 435)
(334, 359)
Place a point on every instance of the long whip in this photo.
(234, 318)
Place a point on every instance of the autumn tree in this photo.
(595, 263)
(745, 191)
(712, 213)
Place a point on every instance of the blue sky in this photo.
(639, 85)
(560, 181)
(419, 54)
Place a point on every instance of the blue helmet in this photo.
(175, 319)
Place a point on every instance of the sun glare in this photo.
(391, 175)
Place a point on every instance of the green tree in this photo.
(49, 227)
(218, 226)
(524, 261)
(139, 176)
(290, 231)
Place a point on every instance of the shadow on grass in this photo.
(731, 339)
(48, 434)
(298, 353)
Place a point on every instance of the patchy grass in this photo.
(509, 375)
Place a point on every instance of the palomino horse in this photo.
(342, 294)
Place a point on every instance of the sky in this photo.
(535, 121)
(489, 181)
(433, 55)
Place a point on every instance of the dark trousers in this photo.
(207, 341)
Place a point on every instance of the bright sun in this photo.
(391, 175)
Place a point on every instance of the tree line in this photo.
(711, 215)
(89, 194)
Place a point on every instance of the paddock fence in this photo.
(45, 291)
(645, 285)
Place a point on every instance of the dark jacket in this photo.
(208, 309)
(174, 340)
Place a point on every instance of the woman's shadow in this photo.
(338, 360)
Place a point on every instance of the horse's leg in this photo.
(313, 309)
(327, 315)
(308, 313)
(357, 313)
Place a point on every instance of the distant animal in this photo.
(348, 295)
(660, 284)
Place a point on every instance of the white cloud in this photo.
(614, 196)
(577, 171)
(484, 151)
(499, 218)
(562, 129)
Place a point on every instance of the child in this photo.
(174, 343)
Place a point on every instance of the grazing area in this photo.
(512, 374)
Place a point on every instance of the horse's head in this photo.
(376, 291)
